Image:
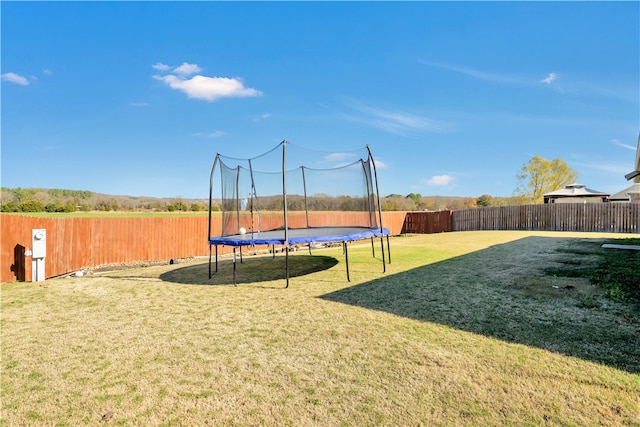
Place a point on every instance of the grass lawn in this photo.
(467, 328)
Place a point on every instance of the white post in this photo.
(38, 254)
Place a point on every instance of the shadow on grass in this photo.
(250, 270)
(501, 292)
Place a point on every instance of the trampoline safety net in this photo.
(253, 191)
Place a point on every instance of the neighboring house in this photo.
(575, 193)
(629, 194)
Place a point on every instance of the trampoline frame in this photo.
(287, 237)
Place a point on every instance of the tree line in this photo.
(58, 200)
(537, 177)
(30, 200)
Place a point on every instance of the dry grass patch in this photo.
(448, 336)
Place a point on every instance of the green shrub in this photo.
(70, 206)
(31, 205)
(53, 207)
(8, 206)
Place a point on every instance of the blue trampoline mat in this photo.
(298, 236)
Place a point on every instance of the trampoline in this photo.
(329, 204)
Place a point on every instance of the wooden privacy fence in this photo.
(76, 243)
(427, 222)
(599, 217)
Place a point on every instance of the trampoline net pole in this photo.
(237, 230)
(286, 214)
(213, 170)
(254, 198)
(377, 198)
(377, 188)
(304, 186)
(366, 169)
(284, 194)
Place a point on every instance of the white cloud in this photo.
(140, 104)
(161, 67)
(614, 168)
(396, 122)
(338, 156)
(15, 78)
(187, 69)
(438, 180)
(380, 164)
(264, 116)
(47, 72)
(477, 74)
(620, 144)
(550, 77)
(202, 87)
(611, 89)
(214, 134)
(209, 88)
(520, 80)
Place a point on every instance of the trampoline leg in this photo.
(209, 261)
(240, 254)
(346, 257)
(234, 267)
(373, 248)
(273, 251)
(286, 262)
(216, 258)
(388, 249)
(309, 248)
(384, 265)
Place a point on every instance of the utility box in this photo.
(38, 253)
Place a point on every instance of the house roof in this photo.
(624, 194)
(635, 175)
(575, 190)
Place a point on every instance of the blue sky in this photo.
(136, 98)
